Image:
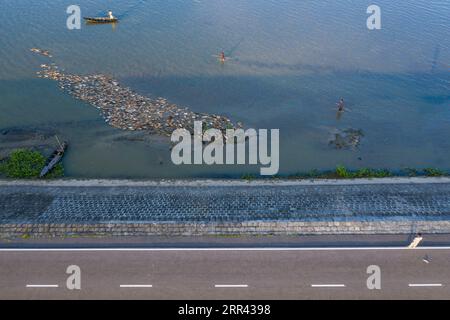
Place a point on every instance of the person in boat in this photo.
(341, 105)
(108, 18)
(222, 56)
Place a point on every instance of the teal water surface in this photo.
(291, 61)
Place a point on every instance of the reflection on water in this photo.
(93, 25)
(290, 62)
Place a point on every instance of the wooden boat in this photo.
(54, 159)
(100, 20)
(109, 19)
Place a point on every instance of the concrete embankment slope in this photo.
(224, 207)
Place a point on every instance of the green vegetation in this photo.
(205, 127)
(229, 126)
(370, 173)
(313, 173)
(342, 172)
(248, 177)
(411, 172)
(27, 164)
(432, 172)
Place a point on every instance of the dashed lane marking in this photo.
(136, 286)
(42, 286)
(231, 286)
(328, 285)
(425, 285)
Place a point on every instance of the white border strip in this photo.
(218, 249)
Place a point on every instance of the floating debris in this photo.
(348, 138)
(125, 109)
(45, 53)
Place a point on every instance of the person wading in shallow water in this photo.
(222, 57)
(341, 105)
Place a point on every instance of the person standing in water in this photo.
(222, 57)
(341, 105)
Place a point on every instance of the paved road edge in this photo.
(218, 182)
(8, 231)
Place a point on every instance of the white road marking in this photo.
(215, 249)
(136, 286)
(42, 286)
(328, 285)
(231, 286)
(425, 285)
(417, 240)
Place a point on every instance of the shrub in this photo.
(411, 172)
(432, 172)
(342, 172)
(248, 177)
(27, 164)
(313, 173)
(382, 173)
(364, 173)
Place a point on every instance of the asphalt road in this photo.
(225, 273)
